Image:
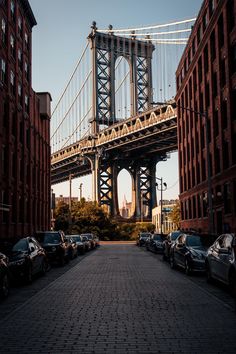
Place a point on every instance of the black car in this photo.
(142, 238)
(221, 261)
(168, 242)
(155, 243)
(4, 276)
(86, 242)
(55, 245)
(80, 244)
(27, 258)
(91, 239)
(73, 252)
(189, 252)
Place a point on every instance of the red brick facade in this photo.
(206, 82)
(24, 129)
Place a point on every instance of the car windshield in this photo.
(50, 238)
(76, 238)
(145, 235)
(203, 240)
(157, 237)
(21, 245)
(174, 235)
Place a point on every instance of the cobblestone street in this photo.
(120, 299)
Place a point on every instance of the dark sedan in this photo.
(155, 243)
(73, 252)
(27, 258)
(221, 261)
(168, 242)
(142, 238)
(4, 276)
(80, 244)
(55, 245)
(189, 252)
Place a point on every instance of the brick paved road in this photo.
(120, 300)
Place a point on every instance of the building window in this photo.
(230, 14)
(12, 45)
(19, 93)
(12, 6)
(211, 6)
(20, 62)
(12, 82)
(221, 31)
(217, 160)
(233, 58)
(204, 21)
(213, 46)
(3, 71)
(225, 153)
(26, 71)
(26, 103)
(26, 40)
(224, 114)
(20, 26)
(227, 198)
(4, 31)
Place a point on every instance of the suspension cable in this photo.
(71, 77)
(86, 79)
(146, 28)
(156, 33)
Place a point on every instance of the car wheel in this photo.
(188, 269)
(5, 286)
(232, 283)
(172, 262)
(208, 273)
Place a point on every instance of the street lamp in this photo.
(162, 188)
(208, 159)
(80, 191)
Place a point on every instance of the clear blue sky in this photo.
(58, 41)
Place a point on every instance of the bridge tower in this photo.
(106, 48)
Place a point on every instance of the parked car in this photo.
(27, 258)
(80, 244)
(189, 252)
(168, 242)
(155, 243)
(221, 261)
(4, 276)
(97, 241)
(86, 242)
(73, 252)
(55, 245)
(142, 238)
(90, 238)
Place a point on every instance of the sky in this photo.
(59, 39)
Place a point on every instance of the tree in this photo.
(175, 215)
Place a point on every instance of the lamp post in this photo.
(80, 191)
(163, 185)
(209, 184)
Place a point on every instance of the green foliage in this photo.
(87, 216)
(175, 215)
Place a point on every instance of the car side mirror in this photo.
(180, 244)
(32, 249)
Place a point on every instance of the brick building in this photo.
(206, 82)
(24, 128)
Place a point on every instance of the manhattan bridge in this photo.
(108, 117)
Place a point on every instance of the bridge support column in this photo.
(107, 187)
(144, 190)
